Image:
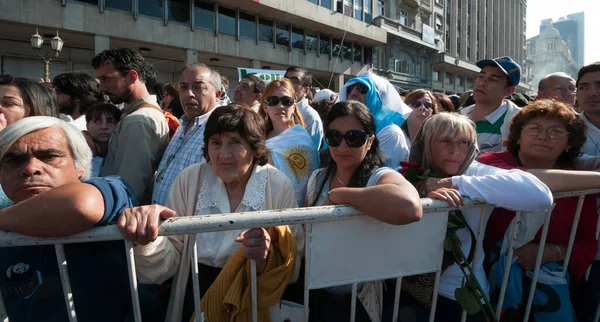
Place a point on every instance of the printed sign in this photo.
(267, 75)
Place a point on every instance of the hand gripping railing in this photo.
(318, 221)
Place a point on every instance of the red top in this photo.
(561, 221)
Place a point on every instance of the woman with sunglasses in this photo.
(424, 105)
(446, 144)
(292, 148)
(545, 139)
(388, 109)
(356, 176)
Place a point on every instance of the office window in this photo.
(435, 76)
(265, 30)
(311, 42)
(347, 50)
(358, 9)
(470, 83)
(313, 1)
(403, 17)
(227, 21)
(357, 53)
(449, 78)
(336, 47)
(204, 15)
(324, 46)
(461, 81)
(297, 38)
(247, 26)
(179, 11)
(283, 34)
(125, 5)
(151, 8)
(326, 4)
(438, 23)
(368, 11)
(380, 8)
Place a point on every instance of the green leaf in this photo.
(448, 244)
(467, 300)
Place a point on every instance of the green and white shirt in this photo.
(494, 129)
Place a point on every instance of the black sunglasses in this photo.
(360, 87)
(285, 100)
(354, 138)
(417, 104)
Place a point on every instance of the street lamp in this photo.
(37, 42)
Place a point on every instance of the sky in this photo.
(537, 10)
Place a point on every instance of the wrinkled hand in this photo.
(424, 187)
(449, 195)
(527, 255)
(141, 224)
(257, 242)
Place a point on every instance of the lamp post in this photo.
(37, 42)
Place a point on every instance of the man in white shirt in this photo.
(199, 91)
(302, 81)
(559, 87)
(75, 94)
(250, 91)
(491, 113)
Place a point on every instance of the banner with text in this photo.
(267, 75)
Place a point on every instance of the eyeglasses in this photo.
(354, 138)
(552, 132)
(562, 89)
(417, 104)
(285, 101)
(295, 80)
(360, 87)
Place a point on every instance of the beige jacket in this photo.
(195, 192)
(137, 145)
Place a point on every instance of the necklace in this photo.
(340, 181)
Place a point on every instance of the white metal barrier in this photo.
(350, 240)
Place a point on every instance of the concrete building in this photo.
(271, 34)
(548, 53)
(435, 43)
(572, 30)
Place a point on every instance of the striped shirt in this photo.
(494, 128)
(184, 150)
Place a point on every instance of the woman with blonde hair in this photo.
(292, 148)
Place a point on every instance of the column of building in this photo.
(474, 27)
(482, 25)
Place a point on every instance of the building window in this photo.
(347, 51)
(461, 81)
(179, 11)
(324, 46)
(403, 17)
(368, 11)
(151, 8)
(227, 21)
(247, 26)
(118, 4)
(297, 38)
(311, 42)
(470, 82)
(358, 9)
(380, 8)
(440, 2)
(357, 53)
(265, 30)
(313, 1)
(449, 78)
(326, 4)
(204, 15)
(283, 34)
(336, 47)
(438, 23)
(94, 2)
(435, 76)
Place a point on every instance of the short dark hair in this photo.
(553, 109)
(97, 110)
(259, 85)
(37, 98)
(242, 120)
(591, 68)
(81, 86)
(306, 80)
(444, 102)
(176, 107)
(124, 60)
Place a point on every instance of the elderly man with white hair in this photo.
(45, 169)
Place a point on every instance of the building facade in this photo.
(572, 30)
(333, 39)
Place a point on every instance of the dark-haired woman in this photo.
(235, 178)
(424, 105)
(545, 139)
(356, 176)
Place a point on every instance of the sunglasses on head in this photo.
(354, 138)
(285, 101)
(417, 104)
(360, 87)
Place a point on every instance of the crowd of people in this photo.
(120, 149)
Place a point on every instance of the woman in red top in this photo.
(545, 139)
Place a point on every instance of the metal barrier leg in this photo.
(3, 313)
(64, 279)
(597, 317)
(353, 303)
(397, 298)
(135, 300)
(195, 278)
(254, 290)
(538, 262)
(307, 232)
(436, 289)
(573, 233)
(509, 256)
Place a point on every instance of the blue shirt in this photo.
(30, 281)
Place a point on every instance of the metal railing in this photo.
(340, 262)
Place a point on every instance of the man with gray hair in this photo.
(199, 91)
(557, 86)
(45, 169)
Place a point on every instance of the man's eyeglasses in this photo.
(562, 89)
(360, 87)
(417, 104)
(354, 138)
(285, 101)
(552, 132)
(295, 80)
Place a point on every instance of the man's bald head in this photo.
(557, 86)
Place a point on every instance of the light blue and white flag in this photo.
(294, 153)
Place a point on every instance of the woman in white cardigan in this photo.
(236, 178)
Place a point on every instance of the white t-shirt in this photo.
(392, 142)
